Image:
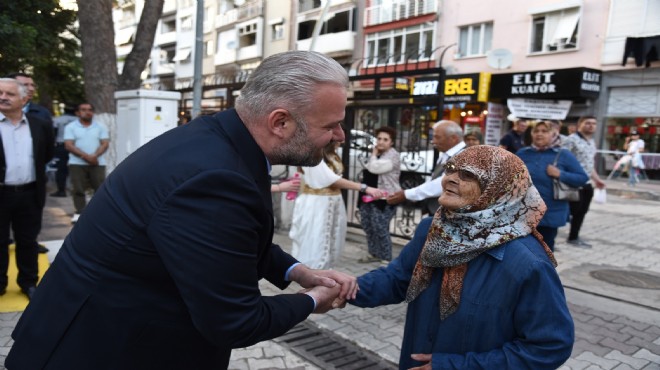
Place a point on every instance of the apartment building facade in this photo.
(413, 62)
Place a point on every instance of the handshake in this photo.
(330, 289)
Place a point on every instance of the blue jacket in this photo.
(512, 315)
(162, 269)
(572, 174)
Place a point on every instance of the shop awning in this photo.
(182, 54)
(644, 49)
(124, 36)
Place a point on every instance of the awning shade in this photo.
(182, 54)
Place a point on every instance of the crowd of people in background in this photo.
(481, 199)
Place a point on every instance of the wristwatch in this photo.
(363, 187)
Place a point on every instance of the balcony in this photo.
(164, 68)
(398, 10)
(330, 43)
(165, 38)
(246, 11)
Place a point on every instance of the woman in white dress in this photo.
(318, 229)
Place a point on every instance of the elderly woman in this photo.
(481, 285)
(540, 158)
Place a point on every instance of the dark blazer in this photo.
(43, 146)
(162, 269)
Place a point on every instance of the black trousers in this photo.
(62, 172)
(20, 212)
(579, 209)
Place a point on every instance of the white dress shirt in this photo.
(17, 145)
(433, 188)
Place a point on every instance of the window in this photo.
(208, 48)
(400, 45)
(277, 32)
(305, 5)
(475, 39)
(338, 22)
(555, 31)
(247, 35)
(186, 23)
(168, 26)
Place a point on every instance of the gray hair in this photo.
(288, 80)
(451, 128)
(22, 90)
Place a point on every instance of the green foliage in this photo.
(38, 37)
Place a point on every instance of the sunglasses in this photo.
(464, 175)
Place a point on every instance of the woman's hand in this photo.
(553, 171)
(376, 193)
(290, 185)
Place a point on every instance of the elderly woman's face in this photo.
(542, 135)
(460, 188)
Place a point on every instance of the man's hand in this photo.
(91, 159)
(396, 198)
(324, 297)
(308, 278)
(422, 357)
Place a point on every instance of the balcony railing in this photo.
(246, 11)
(398, 10)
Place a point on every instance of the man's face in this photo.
(29, 85)
(441, 141)
(520, 126)
(10, 98)
(316, 130)
(588, 127)
(85, 112)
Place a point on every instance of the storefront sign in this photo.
(551, 84)
(539, 109)
(494, 122)
(467, 88)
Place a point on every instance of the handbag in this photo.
(562, 191)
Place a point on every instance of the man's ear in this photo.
(280, 123)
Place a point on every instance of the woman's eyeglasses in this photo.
(464, 175)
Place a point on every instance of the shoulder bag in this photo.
(562, 191)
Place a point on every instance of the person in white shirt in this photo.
(634, 147)
(448, 140)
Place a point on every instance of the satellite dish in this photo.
(499, 58)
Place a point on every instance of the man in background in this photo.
(61, 154)
(515, 138)
(448, 140)
(581, 144)
(26, 145)
(31, 107)
(86, 141)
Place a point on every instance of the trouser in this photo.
(62, 172)
(579, 209)
(20, 211)
(549, 234)
(83, 178)
(376, 224)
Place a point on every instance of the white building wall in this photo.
(512, 26)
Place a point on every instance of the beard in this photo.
(299, 150)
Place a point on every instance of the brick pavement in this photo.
(616, 328)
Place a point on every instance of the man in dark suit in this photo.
(26, 145)
(34, 110)
(161, 271)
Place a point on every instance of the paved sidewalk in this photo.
(617, 327)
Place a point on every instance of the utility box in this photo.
(141, 116)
